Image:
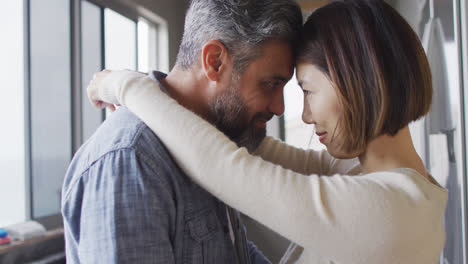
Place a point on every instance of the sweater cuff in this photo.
(114, 83)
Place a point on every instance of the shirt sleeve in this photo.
(319, 213)
(256, 256)
(125, 212)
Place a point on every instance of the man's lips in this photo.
(322, 136)
(262, 120)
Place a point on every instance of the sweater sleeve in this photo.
(305, 161)
(319, 213)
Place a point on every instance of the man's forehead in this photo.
(279, 71)
(274, 63)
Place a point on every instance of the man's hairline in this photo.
(260, 46)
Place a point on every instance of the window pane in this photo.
(50, 102)
(91, 62)
(143, 29)
(12, 157)
(120, 41)
(147, 48)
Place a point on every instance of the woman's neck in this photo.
(390, 152)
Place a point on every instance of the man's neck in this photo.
(187, 89)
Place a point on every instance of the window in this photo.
(51, 142)
(50, 50)
(12, 139)
(92, 60)
(120, 41)
(44, 117)
(147, 48)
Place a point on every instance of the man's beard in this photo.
(229, 113)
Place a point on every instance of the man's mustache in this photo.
(265, 116)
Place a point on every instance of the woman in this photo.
(365, 78)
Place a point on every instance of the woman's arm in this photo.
(315, 212)
(299, 160)
(305, 161)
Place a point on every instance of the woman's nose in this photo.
(307, 114)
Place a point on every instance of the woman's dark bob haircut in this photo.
(375, 62)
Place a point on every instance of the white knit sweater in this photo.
(384, 217)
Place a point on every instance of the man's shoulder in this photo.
(122, 131)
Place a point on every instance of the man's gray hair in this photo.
(241, 25)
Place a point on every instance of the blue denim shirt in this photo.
(125, 200)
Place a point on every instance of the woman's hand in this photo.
(93, 91)
(106, 87)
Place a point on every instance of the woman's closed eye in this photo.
(306, 92)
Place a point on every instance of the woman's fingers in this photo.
(111, 107)
(93, 90)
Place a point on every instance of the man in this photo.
(124, 198)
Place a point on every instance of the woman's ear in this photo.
(214, 59)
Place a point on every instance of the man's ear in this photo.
(214, 59)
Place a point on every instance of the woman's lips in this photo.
(322, 136)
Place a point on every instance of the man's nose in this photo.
(277, 103)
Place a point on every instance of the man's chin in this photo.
(259, 133)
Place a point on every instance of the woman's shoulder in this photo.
(395, 203)
(407, 182)
(402, 175)
(390, 185)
